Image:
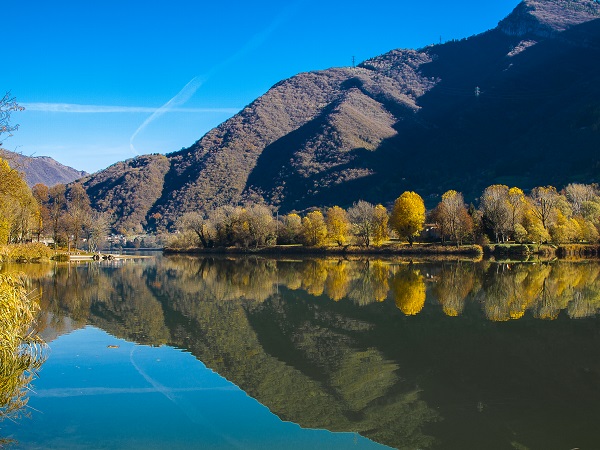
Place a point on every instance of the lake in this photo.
(192, 352)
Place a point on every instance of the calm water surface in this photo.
(324, 353)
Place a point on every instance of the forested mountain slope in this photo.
(519, 105)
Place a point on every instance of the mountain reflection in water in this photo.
(411, 355)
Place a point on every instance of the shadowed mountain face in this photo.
(42, 169)
(515, 105)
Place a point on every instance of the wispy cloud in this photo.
(101, 109)
(179, 99)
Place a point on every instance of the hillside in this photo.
(42, 169)
(516, 105)
(128, 190)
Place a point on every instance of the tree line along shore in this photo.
(504, 220)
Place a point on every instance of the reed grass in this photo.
(21, 352)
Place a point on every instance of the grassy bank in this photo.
(472, 251)
(30, 252)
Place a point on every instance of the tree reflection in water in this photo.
(412, 355)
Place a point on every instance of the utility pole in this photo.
(353, 62)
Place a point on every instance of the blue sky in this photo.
(105, 81)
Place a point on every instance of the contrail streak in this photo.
(190, 89)
(179, 99)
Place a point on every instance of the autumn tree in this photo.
(199, 224)
(57, 203)
(408, 216)
(452, 218)
(536, 233)
(338, 225)
(314, 229)
(495, 210)
(577, 194)
(229, 224)
(516, 206)
(380, 225)
(544, 200)
(361, 216)
(261, 225)
(78, 211)
(41, 193)
(97, 229)
(564, 229)
(18, 208)
(290, 229)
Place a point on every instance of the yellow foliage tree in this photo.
(380, 225)
(18, 208)
(408, 215)
(338, 225)
(536, 232)
(314, 229)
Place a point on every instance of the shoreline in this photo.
(491, 251)
(472, 251)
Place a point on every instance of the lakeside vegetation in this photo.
(504, 215)
(21, 351)
(569, 218)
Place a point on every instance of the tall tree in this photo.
(314, 229)
(516, 206)
(18, 208)
(338, 225)
(97, 230)
(361, 216)
(577, 194)
(57, 210)
(495, 210)
(408, 215)
(380, 225)
(199, 224)
(42, 196)
(261, 225)
(544, 200)
(290, 229)
(79, 211)
(452, 217)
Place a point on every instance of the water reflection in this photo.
(21, 352)
(411, 355)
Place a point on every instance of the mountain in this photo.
(42, 169)
(128, 189)
(515, 105)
